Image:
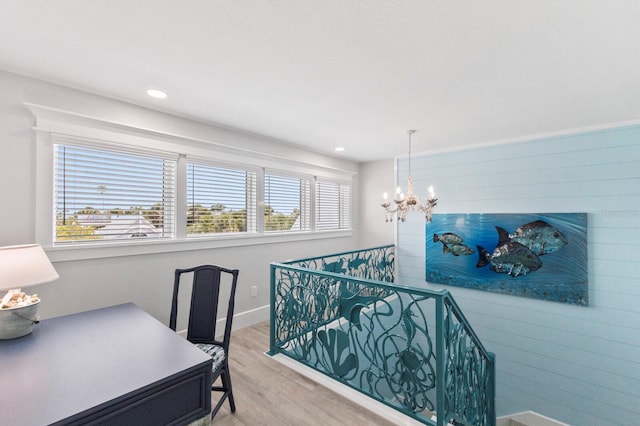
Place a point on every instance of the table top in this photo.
(72, 363)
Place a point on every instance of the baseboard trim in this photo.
(240, 320)
(344, 391)
(528, 418)
(250, 317)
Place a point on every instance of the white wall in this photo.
(376, 177)
(580, 365)
(147, 279)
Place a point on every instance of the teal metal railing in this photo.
(410, 348)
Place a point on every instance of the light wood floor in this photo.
(268, 393)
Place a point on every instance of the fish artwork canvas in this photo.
(540, 256)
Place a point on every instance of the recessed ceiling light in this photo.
(154, 93)
(339, 148)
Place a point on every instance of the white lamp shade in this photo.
(24, 265)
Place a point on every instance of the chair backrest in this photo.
(205, 295)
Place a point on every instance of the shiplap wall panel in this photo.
(594, 412)
(580, 365)
(594, 403)
(586, 346)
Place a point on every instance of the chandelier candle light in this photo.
(403, 204)
(21, 266)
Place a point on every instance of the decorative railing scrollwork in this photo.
(409, 348)
(376, 263)
(469, 371)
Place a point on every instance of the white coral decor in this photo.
(16, 298)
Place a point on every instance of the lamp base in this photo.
(18, 322)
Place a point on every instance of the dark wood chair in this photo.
(208, 280)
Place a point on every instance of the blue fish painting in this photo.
(540, 256)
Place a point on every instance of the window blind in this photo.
(287, 203)
(220, 200)
(332, 206)
(103, 194)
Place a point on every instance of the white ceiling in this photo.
(352, 73)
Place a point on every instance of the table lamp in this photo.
(21, 266)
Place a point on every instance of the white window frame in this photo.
(106, 133)
(252, 208)
(311, 196)
(320, 181)
(119, 149)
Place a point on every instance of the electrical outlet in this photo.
(254, 291)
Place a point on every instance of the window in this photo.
(332, 206)
(105, 194)
(108, 189)
(220, 200)
(287, 203)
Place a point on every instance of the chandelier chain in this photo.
(410, 133)
(402, 203)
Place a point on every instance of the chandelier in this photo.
(402, 204)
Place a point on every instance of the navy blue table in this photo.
(111, 366)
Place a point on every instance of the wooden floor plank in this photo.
(269, 393)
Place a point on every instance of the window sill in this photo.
(84, 251)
